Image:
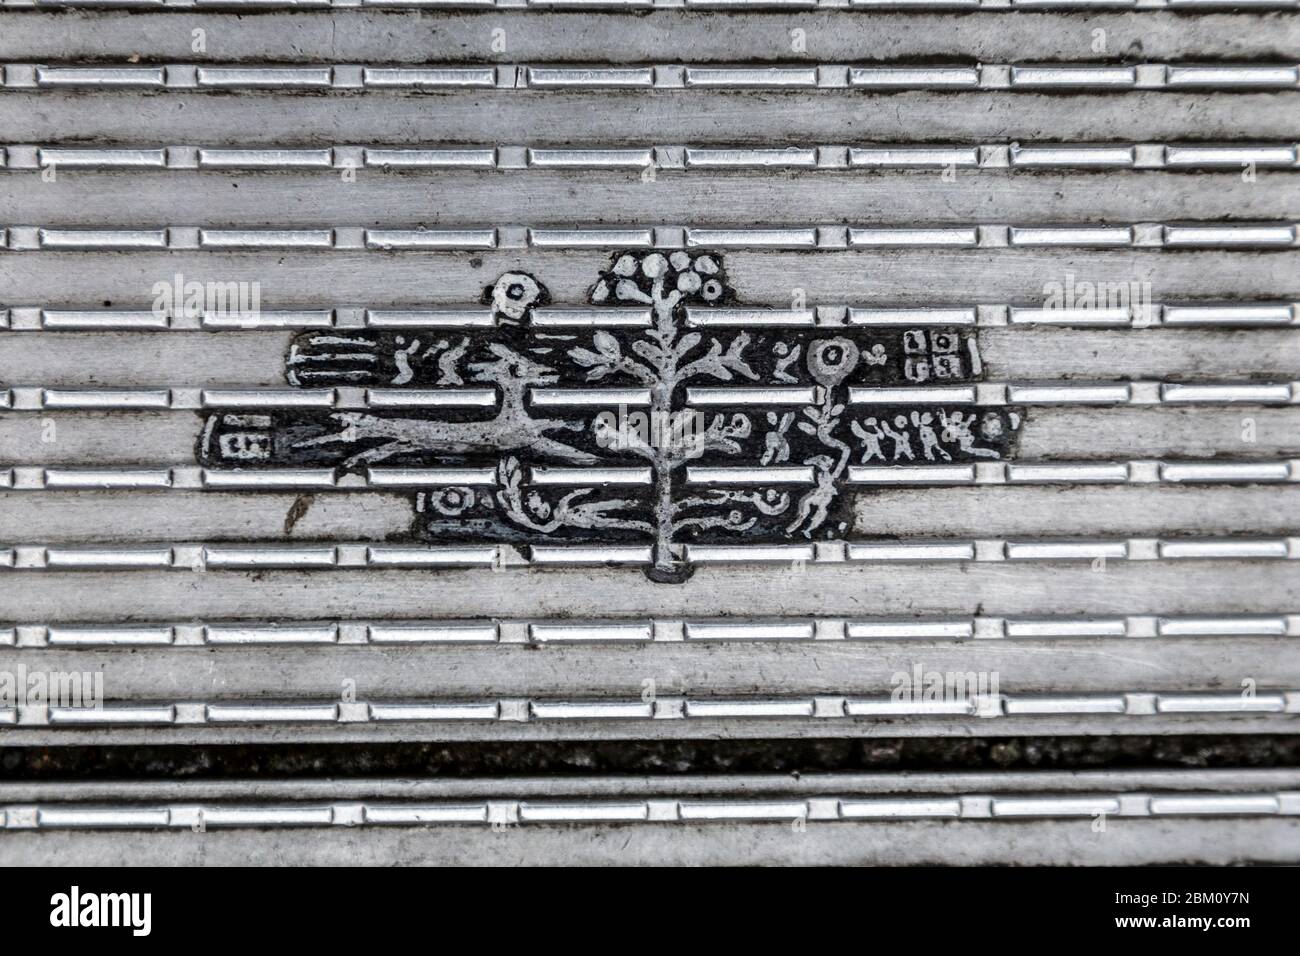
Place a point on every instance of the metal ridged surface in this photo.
(1096, 247)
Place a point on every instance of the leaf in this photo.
(687, 342)
(807, 429)
(586, 358)
(606, 344)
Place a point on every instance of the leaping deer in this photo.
(512, 427)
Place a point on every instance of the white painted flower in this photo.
(514, 293)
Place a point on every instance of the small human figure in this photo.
(902, 440)
(870, 433)
(775, 446)
(929, 438)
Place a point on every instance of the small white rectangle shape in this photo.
(429, 477)
(98, 716)
(598, 397)
(584, 633)
(557, 475)
(266, 238)
(267, 397)
(909, 708)
(591, 78)
(108, 636)
(589, 555)
(919, 630)
(152, 398)
(909, 156)
(752, 631)
(903, 809)
(269, 634)
(589, 812)
(1078, 316)
(590, 238)
(745, 318)
(102, 158)
(1229, 236)
(911, 474)
(1046, 77)
(279, 478)
(88, 818)
(899, 395)
(1054, 806)
(911, 317)
(590, 710)
(720, 709)
(57, 319)
(1071, 236)
(1088, 156)
(894, 77)
(271, 713)
(269, 557)
(703, 810)
(272, 76)
(431, 158)
(590, 158)
(758, 238)
(1247, 315)
(1047, 706)
(757, 77)
(267, 816)
(920, 551)
(749, 554)
(432, 633)
(1273, 393)
(266, 158)
(108, 558)
(715, 158)
(431, 397)
(884, 236)
(1066, 550)
(429, 318)
(768, 395)
(1229, 156)
(445, 556)
(1273, 77)
(409, 815)
(1223, 627)
(1116, 394)
(107, 478)
(489, 710)
(1220, 704)
(91, 239)
(1067, 627)
(99, 76)
(1215, 805)
(390, 239)
(1212, 471)
(1105, 472)
(591, 318)
(1229, 549)
(458, 77)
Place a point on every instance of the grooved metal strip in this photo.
(254, 555)
(1155, 315)
(830, 158)
(33, 398)
(446, 633)
(1116, 706)
(1221, 78)
(1151, 236)
(1277, 235)
(186, 478)
(497, 812)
